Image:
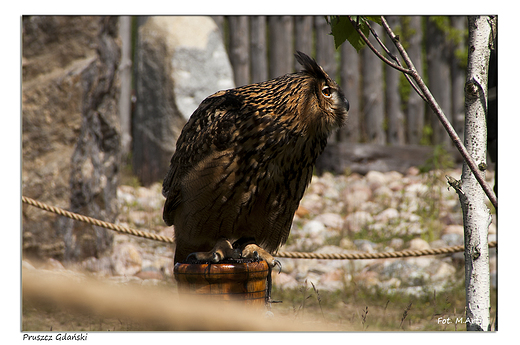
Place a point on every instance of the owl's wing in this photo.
(210, 129)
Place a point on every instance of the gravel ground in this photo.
(338, 214)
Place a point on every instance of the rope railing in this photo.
(291, 255)
(96, 222)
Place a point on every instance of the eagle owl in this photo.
(243, 161)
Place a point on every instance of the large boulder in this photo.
(180, 61)
(70, 132)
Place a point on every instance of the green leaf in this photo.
(342, 29)
(338, 26)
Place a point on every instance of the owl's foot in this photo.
(249, 249)
(222, 250)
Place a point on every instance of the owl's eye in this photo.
(326, 91)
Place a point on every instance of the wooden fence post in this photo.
(415, 105)
(281, 51)
(372, 94)
(239, 48)
(258, 49)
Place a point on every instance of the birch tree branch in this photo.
(442, 117)
(397, 65)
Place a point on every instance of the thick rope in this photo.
(96, 222)
(384, 255)
(291, 255)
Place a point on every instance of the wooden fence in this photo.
(383, 108)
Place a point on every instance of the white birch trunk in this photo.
(472, 197)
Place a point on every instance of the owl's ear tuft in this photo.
(310, 65)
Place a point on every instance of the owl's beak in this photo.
(347, 104)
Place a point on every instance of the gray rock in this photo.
(180, 62)
(71, 135)
(356, 195)
(200, 63)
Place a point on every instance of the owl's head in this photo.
(323, 106)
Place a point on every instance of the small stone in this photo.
(387, 215)
(396, 186)
(375, 179)
(413, 171)
(345, 243)
(365, 246)
(356, 195)
(330, 220)
(418, 244)
(394, 176)
(313, 228)
(453, 239)
(397, 243)
(438, 244)
(383, 193)
(126, 259)
(356, 221)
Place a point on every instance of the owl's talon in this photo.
(236, 254)
(279, 264)
(215, 258)
(192, 258)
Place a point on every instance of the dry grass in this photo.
(359, 309)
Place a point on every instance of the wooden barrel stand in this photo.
(244, 282)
